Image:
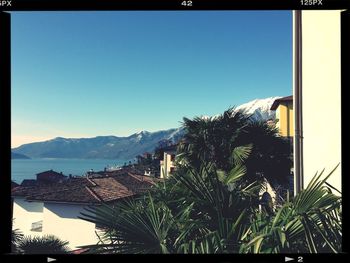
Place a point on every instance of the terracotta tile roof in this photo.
(278, 102)
(73, 195)
(109, 189)
(96, 188)
(13, 185)
(29, 182)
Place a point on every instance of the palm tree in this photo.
(211, 203)
(310, 223)
(213, 139)
(211, 211)
(16, 237)
(138, 226)
(191, 209)
(271, 156)
(47, 244)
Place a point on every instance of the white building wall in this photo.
(166, 165)
(62, 221)
(58, 219)
(321, 101)
(25, 213)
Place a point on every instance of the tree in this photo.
(210, 211)
(47, 244)
(16, 237)
(211, 202)
(213, 139)
(192, 208)
(271, 157)
(309, 223)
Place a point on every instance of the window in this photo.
(37, 226)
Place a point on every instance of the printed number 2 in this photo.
(300, 259)
(186, 3)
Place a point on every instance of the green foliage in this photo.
(134, 226)
(48, 244)
(310, 223)
(210, 211)
(214, 139)
(193, 212)
(211, 204)
(16, 237)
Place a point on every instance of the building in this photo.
(54, 208)
(284, 116)
(167, 165)
(50, 176)
(14, 185)
(318, 80)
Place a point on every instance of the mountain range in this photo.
(124, 148)
(18, 156)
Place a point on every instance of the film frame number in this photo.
(187, 3)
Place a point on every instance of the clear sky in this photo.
(85, 74)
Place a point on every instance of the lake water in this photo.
(28, 168)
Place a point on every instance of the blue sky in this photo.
(83, 74)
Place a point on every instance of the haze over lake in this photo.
(28, 168)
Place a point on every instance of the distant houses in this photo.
(159, 164)
(14, 185)
(167, 165)
(45, 177)
(50, 176)
(52, 203)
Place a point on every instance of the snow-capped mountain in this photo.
(113, 147)
(259, 108)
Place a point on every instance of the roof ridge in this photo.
(123, 185)
(134, 176)
(90, 181)
(93, 193)
(50, 191)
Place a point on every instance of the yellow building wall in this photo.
(282, 120)
(278, 123)
(285, 124)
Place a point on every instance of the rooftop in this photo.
(50, 173)
(279, 101)
(94, 189)
(14, 184)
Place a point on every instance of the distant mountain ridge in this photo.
(100, 147)
(18, 156)
(125, 148)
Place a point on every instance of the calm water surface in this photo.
(28, 168)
